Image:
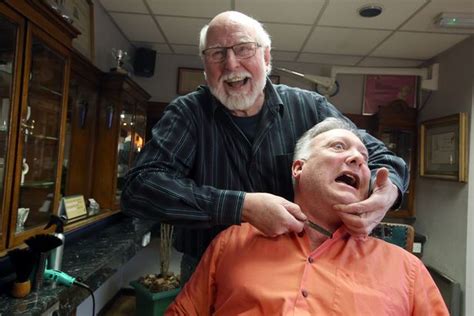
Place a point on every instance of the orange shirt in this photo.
(245, 273)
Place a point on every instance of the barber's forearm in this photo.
(157, 196)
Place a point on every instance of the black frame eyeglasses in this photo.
(241, 51)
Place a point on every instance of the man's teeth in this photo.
(235, 79)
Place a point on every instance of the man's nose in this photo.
(230, 60)
(355, 157)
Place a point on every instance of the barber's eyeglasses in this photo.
(241, 51)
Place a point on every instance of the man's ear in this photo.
(296, 168)
(267, 56)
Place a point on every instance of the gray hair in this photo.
(303, 148)
(262, 37)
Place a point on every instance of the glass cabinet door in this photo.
(139, 130)
(125, 144)
(10, 62)
(39, 147)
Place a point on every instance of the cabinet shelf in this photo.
(3, 71)
(43, 137)
(38, 184)
(42, 88)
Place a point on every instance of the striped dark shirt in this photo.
(195, 170)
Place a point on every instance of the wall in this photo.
(107, 36)
(442, 206)
(469, 290)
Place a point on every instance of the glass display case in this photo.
(120, 136)
(34, 73)
(11, 55)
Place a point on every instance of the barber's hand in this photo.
(361, 217)
(271, 214)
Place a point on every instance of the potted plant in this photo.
(155, 292)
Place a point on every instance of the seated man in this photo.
(322, 271)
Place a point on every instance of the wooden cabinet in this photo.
(81, 119)
(396, 127)
(34, 73)
(120, 136)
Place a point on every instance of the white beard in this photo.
(235, 101)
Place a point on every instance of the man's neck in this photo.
(320, 226)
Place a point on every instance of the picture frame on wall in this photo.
(443, 148)
(382, 90)
(81, 15)
(189, 79)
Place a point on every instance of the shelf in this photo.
(38, 184)
(36, 86)
(5, 70)
(39, 136)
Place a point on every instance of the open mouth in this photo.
(349, 179)
(236, 82)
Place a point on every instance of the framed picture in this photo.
(443, 148)
(381, 90)
(81, 14)
(189, 79)
(74, 206)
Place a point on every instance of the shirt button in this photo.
(304, 293)
(310, 260)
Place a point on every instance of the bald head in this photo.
(228, 19)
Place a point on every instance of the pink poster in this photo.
(381, 90)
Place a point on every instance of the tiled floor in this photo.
(123, 305)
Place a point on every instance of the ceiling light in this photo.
(455, 20)
(370, 11)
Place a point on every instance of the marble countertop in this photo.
(93, 255)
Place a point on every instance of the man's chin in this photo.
(348, 199)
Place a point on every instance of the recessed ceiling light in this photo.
(370, 11)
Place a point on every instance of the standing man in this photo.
(217, 149)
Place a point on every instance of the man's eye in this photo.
(217, 54)
(338, 146)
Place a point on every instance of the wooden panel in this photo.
(82, 112)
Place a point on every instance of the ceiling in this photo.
(309, 31)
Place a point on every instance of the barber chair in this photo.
(399, 234)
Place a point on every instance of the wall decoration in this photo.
(443, 148)
(381, 90)
(80, 13)
(189, 79)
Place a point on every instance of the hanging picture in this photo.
(443, 148)
(381, 90)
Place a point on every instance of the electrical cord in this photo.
(85, 286)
